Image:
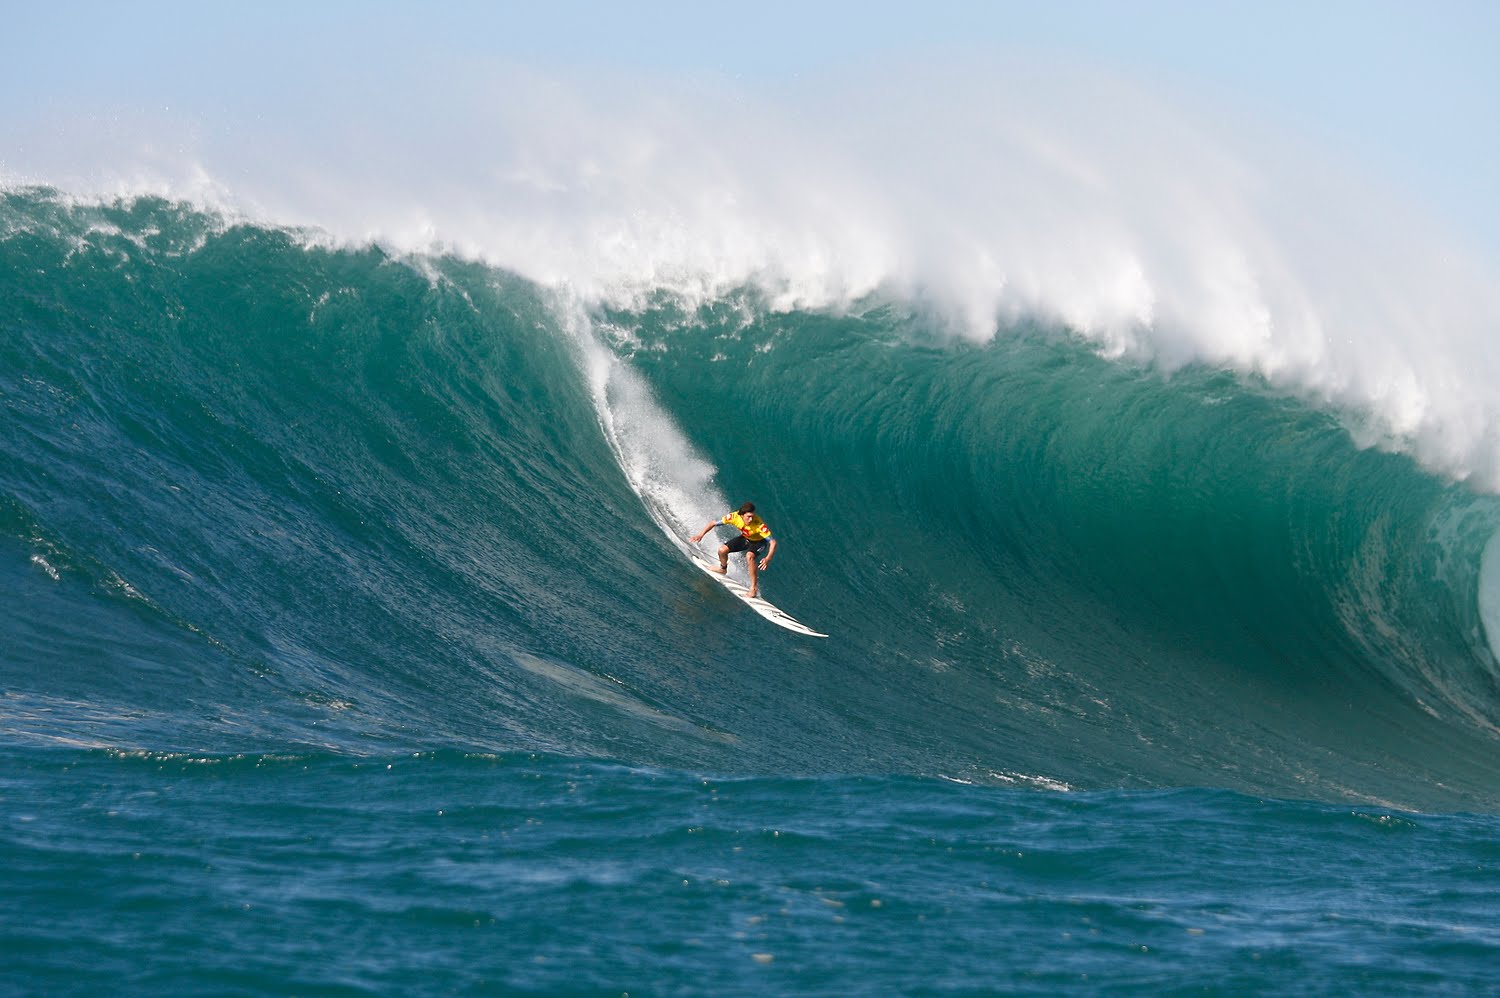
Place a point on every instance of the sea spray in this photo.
(993, 194)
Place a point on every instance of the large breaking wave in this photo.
(262, 490)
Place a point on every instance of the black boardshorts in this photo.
(740, 543)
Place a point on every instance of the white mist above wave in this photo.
(675, 483)
(1158, 234)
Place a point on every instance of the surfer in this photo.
(755, 540)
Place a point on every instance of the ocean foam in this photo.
(988, 196)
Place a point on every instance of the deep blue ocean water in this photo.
(349, 647)
(444, 873)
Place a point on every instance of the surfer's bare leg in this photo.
(750, 563)
(723, 559)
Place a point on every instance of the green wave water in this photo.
(350, 646)
(374, 503)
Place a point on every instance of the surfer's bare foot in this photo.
(754, 593)
(721, 571)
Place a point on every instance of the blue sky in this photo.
(1410, 91)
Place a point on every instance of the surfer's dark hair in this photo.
(748, 507)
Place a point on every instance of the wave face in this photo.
(259, 493)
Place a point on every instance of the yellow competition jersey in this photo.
(752, 527)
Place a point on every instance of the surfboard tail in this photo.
(759, 604)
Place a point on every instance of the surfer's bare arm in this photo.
(769, 551)
(704, 532)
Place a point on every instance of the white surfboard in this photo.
(758, 604)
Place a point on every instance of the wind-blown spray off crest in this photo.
(986, 195)
(674, 482)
